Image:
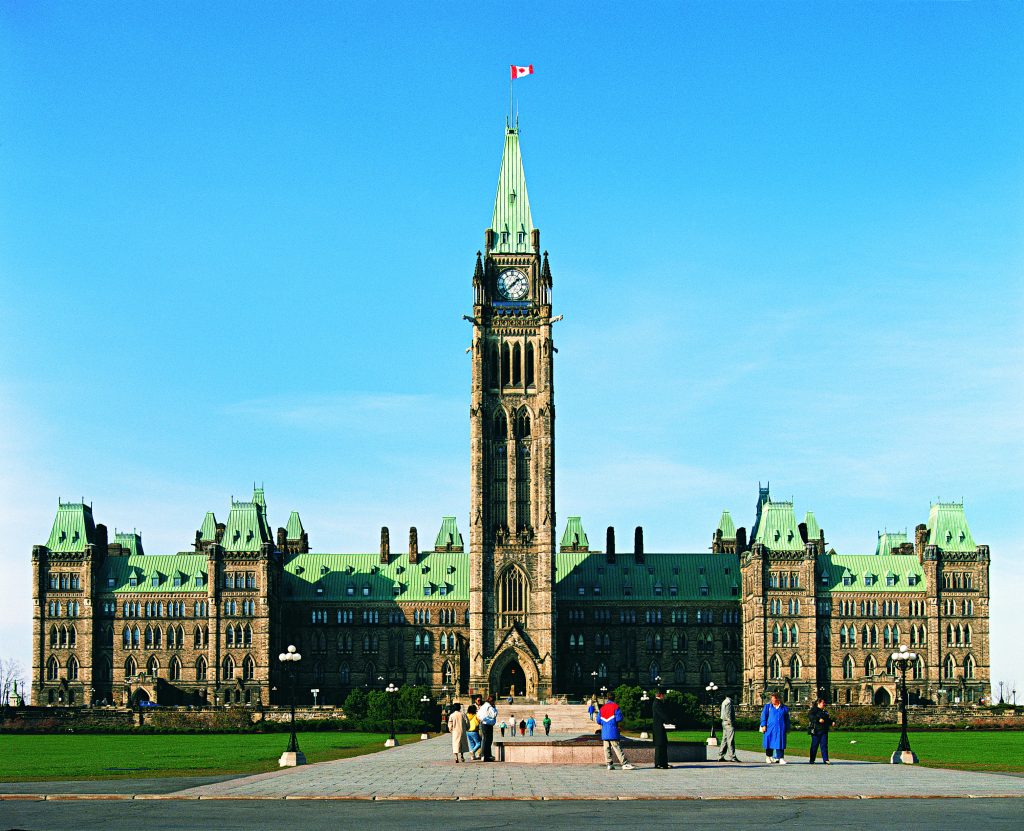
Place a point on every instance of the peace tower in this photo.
(512, 440)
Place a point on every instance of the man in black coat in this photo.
(663, 715)
(819, 720)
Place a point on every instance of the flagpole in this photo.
(510, 97)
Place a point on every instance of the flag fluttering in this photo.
(520, 71)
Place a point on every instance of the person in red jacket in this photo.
(609, 717)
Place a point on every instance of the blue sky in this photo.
(236, 243)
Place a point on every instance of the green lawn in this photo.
(41, 757)
(994, 750)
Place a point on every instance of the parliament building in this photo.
(522, 608)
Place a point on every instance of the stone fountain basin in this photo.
(588, 750)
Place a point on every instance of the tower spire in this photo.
(512, 222)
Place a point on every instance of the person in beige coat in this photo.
(458, 726)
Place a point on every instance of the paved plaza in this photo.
(424, 771)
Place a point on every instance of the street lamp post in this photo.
(593, 675)
(604, 692)
(391, 689)
(315, 692)
(901, 661)
(644, 698)
(711, 689)
(425, 701)
(290, 663)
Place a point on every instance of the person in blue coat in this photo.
(775, 726)
(609, 717)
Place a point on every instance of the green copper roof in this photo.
(574, 535)
(132, 541)
(948, 526)
(294, 530)
(167, 568)
(777, 529)
(727, 526)
(832, 567)
(438, 576)
(208, 533)
(888, 541)
(246, 528)
(259, 497)
(73, 528)
(448, 536)
(813, 529)
(653, 580)
(512, 222)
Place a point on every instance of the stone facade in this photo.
(514, 612)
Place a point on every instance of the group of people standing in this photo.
(775, 725)
(472, 731)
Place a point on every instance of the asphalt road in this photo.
(158, 815)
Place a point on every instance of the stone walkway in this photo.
(424, 771)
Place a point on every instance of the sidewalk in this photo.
(424, 771)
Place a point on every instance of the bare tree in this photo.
(11, 673)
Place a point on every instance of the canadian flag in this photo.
(520, 71)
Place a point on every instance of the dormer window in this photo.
(949, 536)
(847, 580)
(177, 582)
(350, 590)
(582, 590)
(442, 589)
(427, 590)
(700, 570)
(824, 578)
(890, 580)
(324, 569)
(911, 579)
(521, 237)
(703, 591)
(597, 589)
(110, 582)
(199, 580)
(673, 590)
(626, 590)
(319, 589)
(154, 580)
(396, 589)
(657, 588)
(504, 237)
(366, 590)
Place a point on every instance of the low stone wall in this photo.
(591, 752)
(924, 716)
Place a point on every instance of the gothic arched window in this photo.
(512, 597)
(517, 365)
(774, 669)
(848, 668)
(174, 669)
(505, 365)
(201, 669)
(528, 370)
(523, 470)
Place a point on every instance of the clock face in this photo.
(513, 284)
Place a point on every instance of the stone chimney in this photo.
(609, 545)
(638, 544)
(385, 546)
(741, 540)
(920, 540)
(414, 546)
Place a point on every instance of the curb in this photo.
(106, 797)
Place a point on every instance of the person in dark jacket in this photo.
(663, 716)
(819, 721)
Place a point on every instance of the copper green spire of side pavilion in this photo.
(512, 222)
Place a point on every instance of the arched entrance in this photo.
(139, 695)
(882, 697)
(512, 680)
